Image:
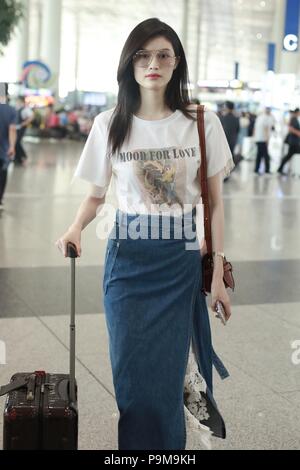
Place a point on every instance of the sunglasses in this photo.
(144, 58)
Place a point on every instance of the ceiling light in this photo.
(259, 36)
(263, 4)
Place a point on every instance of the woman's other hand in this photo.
(218, 292)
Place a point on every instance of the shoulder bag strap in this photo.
(202, 172)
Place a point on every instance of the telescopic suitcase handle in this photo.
(72, 253)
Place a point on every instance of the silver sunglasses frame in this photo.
(152, 55)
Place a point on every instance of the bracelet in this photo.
(218, 253)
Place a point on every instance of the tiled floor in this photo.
(260, 401)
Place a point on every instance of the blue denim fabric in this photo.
(154, 307)
(219, 366)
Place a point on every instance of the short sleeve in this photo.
(96, 191)
(218, 154)
(94, 165)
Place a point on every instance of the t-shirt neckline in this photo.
(157, 121)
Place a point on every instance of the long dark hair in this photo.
(176, 95)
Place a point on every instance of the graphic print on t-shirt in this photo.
(161, 173)
(158, 179)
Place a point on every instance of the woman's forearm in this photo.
(87, 211)
(217, 229)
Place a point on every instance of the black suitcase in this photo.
(41, 409)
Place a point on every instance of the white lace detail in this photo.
(195, 405)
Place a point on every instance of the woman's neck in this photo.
(152, 106)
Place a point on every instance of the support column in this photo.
(197, 49)
(279, 89)
(185, 19)
(286, 32)
(36, 53)
(77, 53)
(22, 40)
(51, 39)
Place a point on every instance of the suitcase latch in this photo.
(31, 387)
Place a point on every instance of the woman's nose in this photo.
(154, 63)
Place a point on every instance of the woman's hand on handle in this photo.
(72, 235)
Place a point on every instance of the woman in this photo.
(152, 283)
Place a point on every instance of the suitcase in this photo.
(41, 409)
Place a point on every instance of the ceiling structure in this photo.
(230, 31)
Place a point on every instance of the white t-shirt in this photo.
(156, 168)
(263, 126)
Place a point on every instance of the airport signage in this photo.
(291, 26)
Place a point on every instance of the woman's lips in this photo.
(153, 77)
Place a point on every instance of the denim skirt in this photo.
(152, 278)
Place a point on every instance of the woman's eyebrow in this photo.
(164, 49)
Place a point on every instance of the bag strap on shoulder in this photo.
(202, 173)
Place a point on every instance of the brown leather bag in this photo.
(207, 260)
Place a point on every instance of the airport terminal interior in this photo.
(60, 66)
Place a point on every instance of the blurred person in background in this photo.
(51, 118)
(52, 123)
(8, 137)
(292, 139)
(252, 148)
(37, 119)
(252, 119)
(25, 116)
(231, 126)
(63, 122)
(244, 126)
(264, 124)
(73, 127)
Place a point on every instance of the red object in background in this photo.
(52, 120)
(72, 117)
